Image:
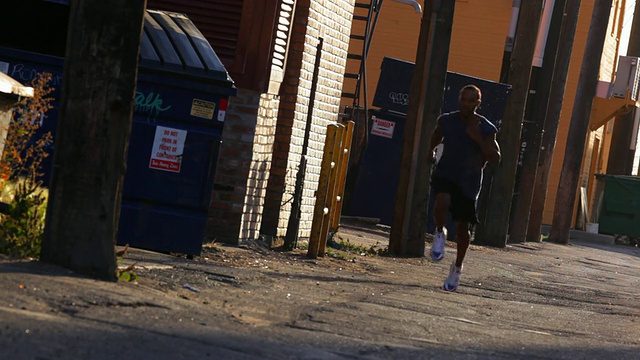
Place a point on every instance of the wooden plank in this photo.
(321, 192)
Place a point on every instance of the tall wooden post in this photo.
(316, 237)
(329, 201)
(343, 163)
(532, 134)
(494, 230)
(100, 73)
(412, 200)
(397, 239)
(552, 118)
(579, 126)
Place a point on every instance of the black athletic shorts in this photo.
(462, 207)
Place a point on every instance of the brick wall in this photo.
(233, 168)
(331, 20)
(263, 135)
(260, 166)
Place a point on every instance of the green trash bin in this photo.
(620, 209)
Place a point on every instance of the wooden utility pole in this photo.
(100, 73)
(579, 126)
(554, 107)
(426, 97)
(494, 230)
(483, 199)
(532, 134)
(397, 238)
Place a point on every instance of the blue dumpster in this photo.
(180, 103)
(375, 191)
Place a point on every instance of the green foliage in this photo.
(22, 227)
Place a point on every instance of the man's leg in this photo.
(464, 214)
(463, 235)
(443, 200)
(440, 209)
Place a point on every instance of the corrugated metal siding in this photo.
(218, 20)
(240, 31)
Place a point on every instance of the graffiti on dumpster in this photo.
(25, 74)
(399, 98)
(150, 104)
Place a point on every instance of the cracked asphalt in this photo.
(527, 301)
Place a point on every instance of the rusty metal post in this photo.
(293, 225)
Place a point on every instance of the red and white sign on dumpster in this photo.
(382, 127)
(167, 149)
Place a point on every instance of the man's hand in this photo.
(473, 130)
(488, 145)
(436, 138)
(433, 158)
(491, 150)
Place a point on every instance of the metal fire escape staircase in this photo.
(365, 18)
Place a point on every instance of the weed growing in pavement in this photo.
(345, 246)
(212, 246)
(22, 223)
(125, 273)
(338, 254)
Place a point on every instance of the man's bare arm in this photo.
(491, 149)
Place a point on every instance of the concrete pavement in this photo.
(528, 301)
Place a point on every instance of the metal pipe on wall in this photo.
(543, 33)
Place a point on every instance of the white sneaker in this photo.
(437, 246)
(452, 282)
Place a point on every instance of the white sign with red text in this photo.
(382, 127)
(167, 149)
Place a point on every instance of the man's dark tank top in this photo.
(461, 158)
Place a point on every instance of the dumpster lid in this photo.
(171, 42)
(10, 86)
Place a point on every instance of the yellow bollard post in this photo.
(331, 190)
(321, 193)
(342, 176)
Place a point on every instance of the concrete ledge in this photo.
(584, 236)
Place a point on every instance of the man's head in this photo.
(469, 99)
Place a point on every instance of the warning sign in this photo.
(203, 109)
(168, 146)
(382, 127)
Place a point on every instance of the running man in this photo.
(469, 143)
